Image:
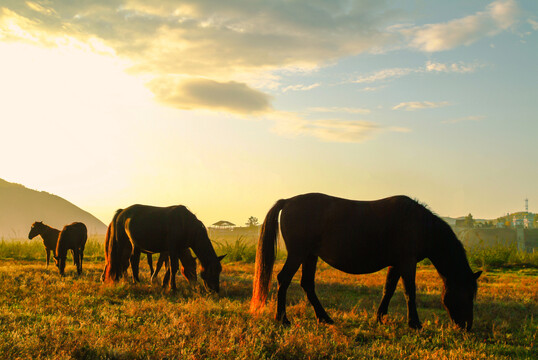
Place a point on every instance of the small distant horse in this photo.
(48, 234)
(73, 237)
(151, 229)
(360, 237)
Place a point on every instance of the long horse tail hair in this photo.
(112, 254)
(61, 250)
(265, 257)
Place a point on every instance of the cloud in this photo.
(498, 16)
(329, 130)
(466, 118)
(533, 23)
(300, 87)
(429, 67)
(346, 110)
(227, 41)
(419, 105)
(213, 38)
(209, 94)
(384, 75)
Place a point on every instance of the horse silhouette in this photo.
(151, 229)
(72, 237)
(360, 237)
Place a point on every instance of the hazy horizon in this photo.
(226, 107)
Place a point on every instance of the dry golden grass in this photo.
(45, 316)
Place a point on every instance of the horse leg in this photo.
(393, 275)
(135, 263)
(408, 277)
(173, 267)
(308, 284)
(76, 256)
(48, 256)
(284, 279)
(166, 278)
(150, 263)
(73, 254)
(160, 262)
(81, 256)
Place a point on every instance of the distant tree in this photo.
(469, 221)
(252, 221)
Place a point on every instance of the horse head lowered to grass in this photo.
(360, 237)
(152, 229)
(72, 237)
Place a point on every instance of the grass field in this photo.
(45, 316)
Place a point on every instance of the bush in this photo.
(500, 256)
(239, 250)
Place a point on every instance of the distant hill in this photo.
(20, 207)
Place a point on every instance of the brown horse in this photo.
(72, 237)
(48, 234)
(107, 238)
(153, 230)
(188, 262)
(360, 237)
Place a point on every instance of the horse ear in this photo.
(477, 274)
(221, 257)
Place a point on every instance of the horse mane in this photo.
(61, 251)
(444, 245)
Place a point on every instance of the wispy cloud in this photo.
(384, 75)
(419, 105)
(465, 118)
(498, 16)
(329, 130)
(346, 110)
(429, 67)
(533, 23)
(300, 87)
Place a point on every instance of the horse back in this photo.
(73, 236)
(152, 227)
(355, 236)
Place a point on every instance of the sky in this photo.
(228, 106)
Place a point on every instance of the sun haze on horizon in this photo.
(227, 107)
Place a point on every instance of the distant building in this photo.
(223, 225)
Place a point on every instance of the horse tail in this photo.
(112, 253)
(265, 257)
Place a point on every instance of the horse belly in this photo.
(355, 259)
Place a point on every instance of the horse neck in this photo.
(448, 256)
(48, 233)
(204, 250)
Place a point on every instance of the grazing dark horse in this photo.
(73, 237)
(107, 238)
(153, 230)
(360, 237)
(188, 262)
(48, 234)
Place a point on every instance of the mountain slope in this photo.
(20, 207)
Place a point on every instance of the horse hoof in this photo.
(380, 317)
(326, 320)
(415, 325)
(284, 321)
